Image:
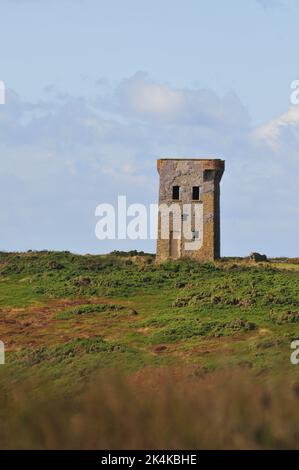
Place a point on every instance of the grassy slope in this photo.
(65, 317)
(203, 351)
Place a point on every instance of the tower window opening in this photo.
(195, 193)
(209, 175)
(175, 193)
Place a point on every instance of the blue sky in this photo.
(98, 90)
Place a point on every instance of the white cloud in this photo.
(280, 132)
(143, 97)
(140, 97)
(62, 156)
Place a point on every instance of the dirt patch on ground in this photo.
(37, 325)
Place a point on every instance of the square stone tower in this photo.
(189, 208)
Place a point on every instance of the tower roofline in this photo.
(211, 163)
(190, 158)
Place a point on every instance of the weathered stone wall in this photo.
(185, 173)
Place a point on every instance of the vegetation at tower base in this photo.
(191, 344)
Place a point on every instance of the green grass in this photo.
(67, 316)
(166, 331)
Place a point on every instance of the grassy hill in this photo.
(67, 320)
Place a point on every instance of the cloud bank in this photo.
(63, 155)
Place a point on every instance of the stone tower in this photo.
(189, 208)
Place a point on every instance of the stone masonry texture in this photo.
(187, 173)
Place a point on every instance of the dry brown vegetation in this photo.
(158, 408)
(201, 351)
(43, 324)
